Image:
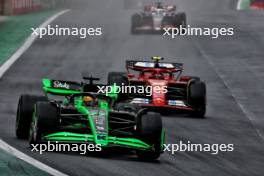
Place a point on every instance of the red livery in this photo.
(170, 90)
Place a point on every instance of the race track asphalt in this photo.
(231, 66)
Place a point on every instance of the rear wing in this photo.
(64, 88)
(59, 87)
(142, 65)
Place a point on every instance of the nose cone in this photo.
(158, 94)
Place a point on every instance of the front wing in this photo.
(171, 104)
(70, 137)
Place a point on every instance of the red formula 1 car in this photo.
(169, 90)
(257, 4)
(156, 17)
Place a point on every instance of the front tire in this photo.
(135, 22)
(197, 98)
(149, 130)
(45, 120)
(24, 114)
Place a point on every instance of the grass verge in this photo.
(15, 29)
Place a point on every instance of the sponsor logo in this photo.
(140, 100)
(176, 103)
(58, 84)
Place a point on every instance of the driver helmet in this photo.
(88, 100)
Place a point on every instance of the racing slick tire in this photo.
(180, 19)
(120, 79)
(197, 97)
(45, 121)
(25, 111)
(135, 22)
(149, 130)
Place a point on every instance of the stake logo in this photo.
(58, 84)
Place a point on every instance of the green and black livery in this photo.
(68, 119)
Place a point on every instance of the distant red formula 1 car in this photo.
(156, 17)
(182, 92)
(257, 4)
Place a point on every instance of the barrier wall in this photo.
(1, 7)
(257, 4)
(24, 6)
(15, 7)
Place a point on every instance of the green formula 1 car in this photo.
(79, 114)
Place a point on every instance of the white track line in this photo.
(11, 150)
(3, 68)
(26, 45)
(247, 113)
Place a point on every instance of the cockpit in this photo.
(89, 101)
(158, 12)
(157, 74)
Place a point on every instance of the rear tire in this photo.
(25, 111)
(183, 20)
(135, 22)
(180, 19)
(197, 97)
(149, 129)
(45, 121)
(119, 79)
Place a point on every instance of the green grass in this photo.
(245, 4)
(10, 165)
(15, 30)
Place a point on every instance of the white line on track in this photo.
(11, 150)
(27, 44)
(3, 68)
(247, 113)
